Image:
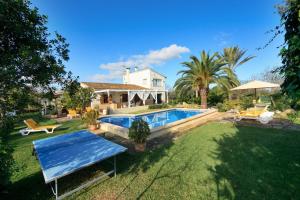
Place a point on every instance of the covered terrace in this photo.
(125, 95)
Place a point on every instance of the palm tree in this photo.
(200, 73)
(233, 56)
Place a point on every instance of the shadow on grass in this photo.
(144, 161)
(175, 174)
(163, 162)
(258, 164)
(31, 187)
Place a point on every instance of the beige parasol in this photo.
(256, 85)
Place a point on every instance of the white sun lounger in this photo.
(33, 126)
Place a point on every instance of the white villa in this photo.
(140, 87)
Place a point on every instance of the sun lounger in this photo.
(266, 117)
(33, 126)
(258, 113)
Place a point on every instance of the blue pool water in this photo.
(154, 119)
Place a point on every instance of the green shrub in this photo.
(246, 102)
(158, 106)
(292, 116)
(173, 102)
(91, 117)
(280, 102)
(216, 95)
(228, 105)
(265, 99)
(139, 131)
(220, 107)
(53, 112)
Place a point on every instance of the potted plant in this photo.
(138, 132)
(90, 119)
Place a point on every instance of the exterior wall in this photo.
(154, 75)
(141, 78)
(144, 78)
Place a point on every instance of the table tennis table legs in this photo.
(115, 166)
(55, 190)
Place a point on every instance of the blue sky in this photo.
(106, 35)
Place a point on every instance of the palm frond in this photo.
(208, 69)
(234, 56)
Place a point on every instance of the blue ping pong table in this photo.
(64, 154)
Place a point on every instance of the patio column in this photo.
(128, 98)
(167, 97)
(144, 100)
(156, 97)
(101, 98)
(109, 98)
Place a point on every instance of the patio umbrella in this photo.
(256, 85)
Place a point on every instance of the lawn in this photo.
(214, 161)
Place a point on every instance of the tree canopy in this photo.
(30, 57)
(200, 73)
(80, 100)
(290, 52)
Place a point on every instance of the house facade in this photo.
(139, 88)
(147, 78)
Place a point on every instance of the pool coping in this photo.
(123, 132)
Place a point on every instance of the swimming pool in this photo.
(154, 120)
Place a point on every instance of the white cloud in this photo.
(151, 59)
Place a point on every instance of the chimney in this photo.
(126, 75)
(127, 70)
(136, 68)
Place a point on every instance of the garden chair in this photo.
(33, 126)
(72, 113)
(88, 109)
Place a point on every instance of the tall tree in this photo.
(81, 99)
(29, 57)
(203, 72)
(290, 53)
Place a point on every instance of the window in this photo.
(156, 82)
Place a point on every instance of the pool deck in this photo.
(183, 124)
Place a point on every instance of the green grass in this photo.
(26, 163)
(215, 161)
(297, 121)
